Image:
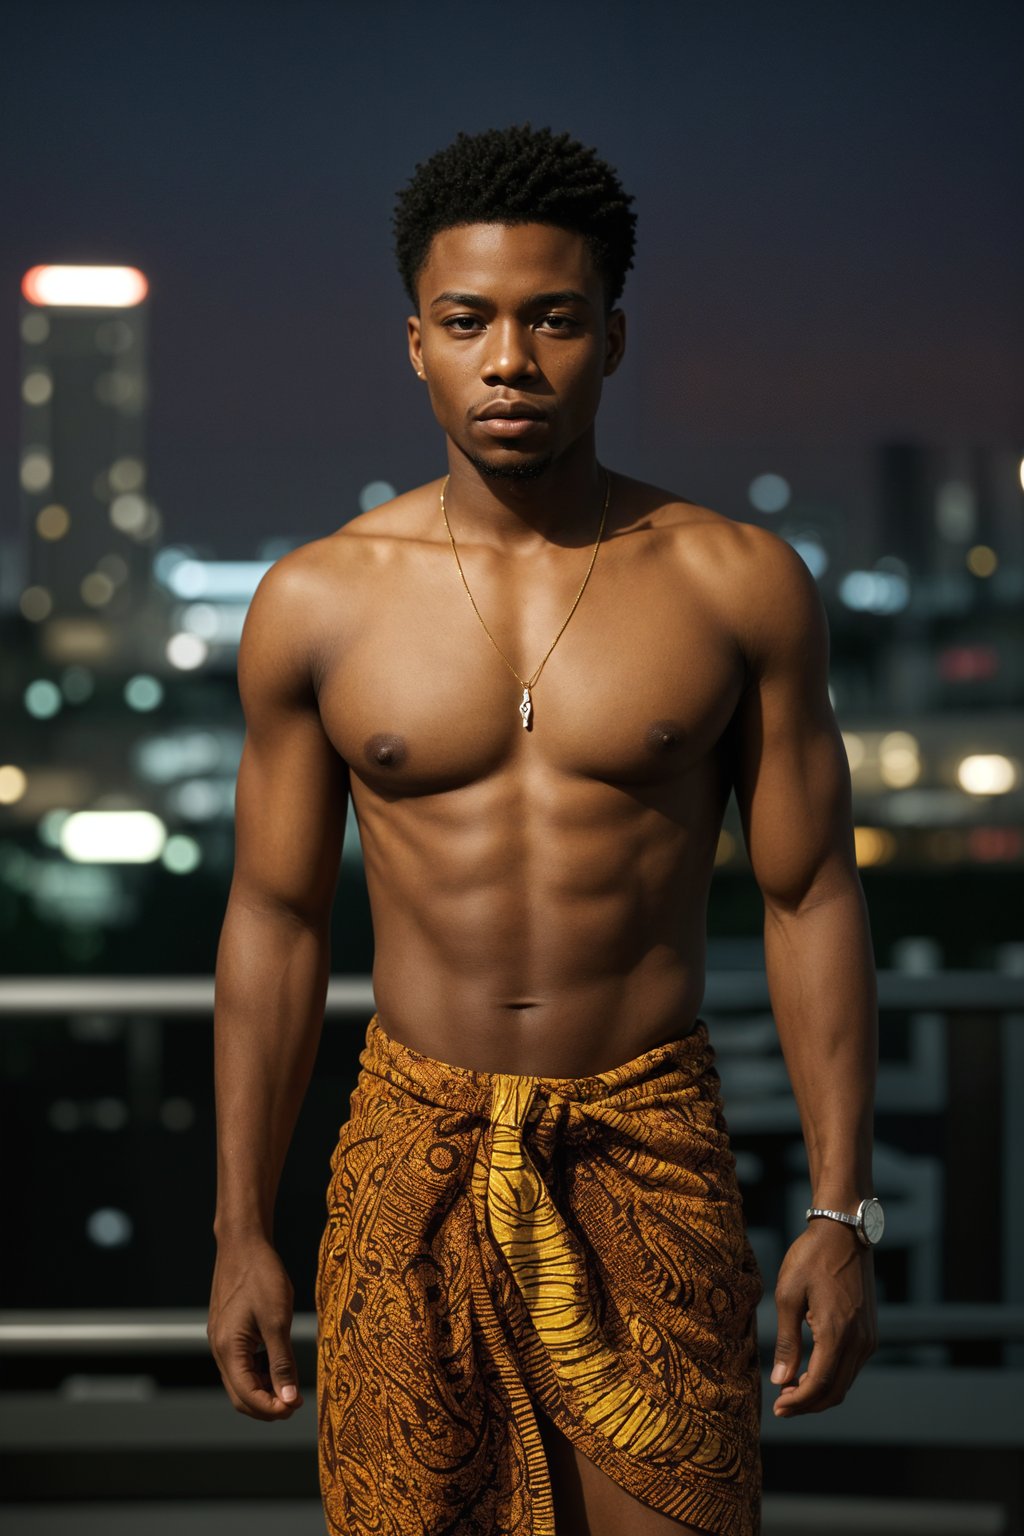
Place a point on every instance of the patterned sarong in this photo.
(498, 1245)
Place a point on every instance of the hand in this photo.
(828, 1276)
(250, 1329)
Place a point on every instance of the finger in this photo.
(788, 1339)
(284, 1376)
(247, 1379)
(830, 1371)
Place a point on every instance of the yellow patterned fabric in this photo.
(499, 1246)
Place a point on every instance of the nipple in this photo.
(663, 735)
(385, 751)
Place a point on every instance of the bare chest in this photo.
(417, 699)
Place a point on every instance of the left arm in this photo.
(792, 784)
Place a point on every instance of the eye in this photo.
(461, 324)
(560, 322)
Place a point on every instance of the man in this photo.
(535, 1295)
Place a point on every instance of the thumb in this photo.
(284, 1376)
(788, 1341)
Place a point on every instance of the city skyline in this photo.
(853, 278)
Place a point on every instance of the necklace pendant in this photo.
(526, 709)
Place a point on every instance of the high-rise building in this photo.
(88, 525)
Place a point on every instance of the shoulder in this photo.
(753, 580)
(292, 586)
(305, 601)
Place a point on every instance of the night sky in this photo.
(830, 240)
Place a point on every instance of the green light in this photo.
(42, 699)
(143, 692)
(181, 854)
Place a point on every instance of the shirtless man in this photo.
(538, 888)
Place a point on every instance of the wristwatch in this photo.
(868, 1223)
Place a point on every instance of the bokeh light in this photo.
(987, 773)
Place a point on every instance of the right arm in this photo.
(273, 964)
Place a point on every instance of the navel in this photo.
(663, 735)
(385, 751)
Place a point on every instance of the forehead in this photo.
(498, 260)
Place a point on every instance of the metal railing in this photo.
(965, 993)
(351, 997)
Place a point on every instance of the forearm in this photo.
(270, 989)
(821, 978)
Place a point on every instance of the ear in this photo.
(416, 345)
(615, 341)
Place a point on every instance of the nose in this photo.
(509, 356)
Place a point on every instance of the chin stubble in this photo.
(530, 470)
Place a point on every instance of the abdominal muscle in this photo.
(553, 930)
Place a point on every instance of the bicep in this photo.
(291, 796)
(791, 774)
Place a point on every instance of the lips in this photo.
(511, 410)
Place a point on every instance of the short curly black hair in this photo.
(517, 175)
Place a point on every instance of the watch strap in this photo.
(850, 1221)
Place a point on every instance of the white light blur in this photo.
(186, 652)
(152, 527)
(899, 760)
(1020, 471)
(200, 619)
(874, 591)
(375, 494)
(112, 837)
(37, 387)
(109, 1228)
(203, 799)
(987, 773)
(219, 623)
(769, 493)
(165, 560)
(211, 579)
(85, 287)
(36, 470)
(162, 759)
(128, 512)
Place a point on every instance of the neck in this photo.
(561, 506)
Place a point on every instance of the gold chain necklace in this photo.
(526, 707)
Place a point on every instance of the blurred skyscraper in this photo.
(87, 523)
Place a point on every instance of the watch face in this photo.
(874, 1220)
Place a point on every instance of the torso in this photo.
(538, 897)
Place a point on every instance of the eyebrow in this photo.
(476, 301)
